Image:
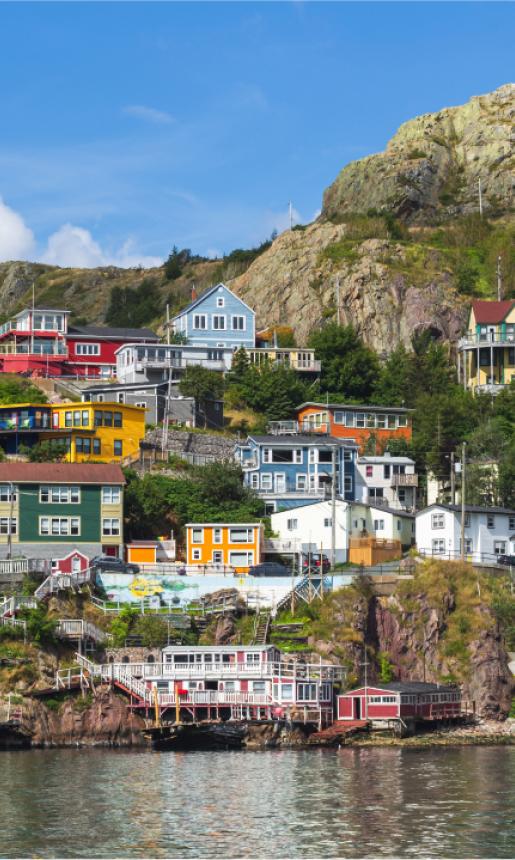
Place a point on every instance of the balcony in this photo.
(295, 359)
(490, 388)
(404, 481)
(46, 350)
(484, 340)
(249, 464)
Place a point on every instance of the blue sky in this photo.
(126, 128)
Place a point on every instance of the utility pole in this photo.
(333, 513)
(10, 524)
(453, 481)
(338, 301)
(365, 665)
(290, 210)
(463, 455)
(168, 324)
(480, 198)
(499, 279)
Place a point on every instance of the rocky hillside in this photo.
(431, 167)
(399, 246)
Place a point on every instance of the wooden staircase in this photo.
(261, 628)
(338, 732)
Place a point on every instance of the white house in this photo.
(310, 526)
(489, 532)
(387, 480)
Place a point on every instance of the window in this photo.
(85, 418)
(4, 525)
(220, 301)
(68, 420)
(402, 420)
(241, 535)
(215, 355)
(386, 471)
(199, 321)
(401, 493)
(252, 658)
(87, 349)
(381, 422)
(339, 417)
(121, 398)
(111, 526)
(347, 456)
(142, 404)
(438, 546)
(371, 419)
(467, 520)
(117, 447)
(195, 555)
(369, 471)
(5, 493)
(468, 545)
(59, 495)
(108, 419)
(292, 525)
(219, 321)
(350, 419)
(325, 692)
(267, 455)
(217, 535)
(111, 495)
(511, 523)
(287, 692)
(59, 526)
(266, 482)
(378, 525)
(499, 547)
(259, 686)
(307, 692)
(218, 556)
(398, 525)
(297, 455)
(76, 418)
(98, 418)
(241, 559)
(117, 419)
(238, 323)
(97, 446)
(254, 480)
(197, 535)
(490, 521)
(328, 521)
(392, 422)
(347, 488)
(437, 521)
(360, 419)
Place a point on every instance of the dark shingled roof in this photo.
(105, 331)
(415, 687)
(65, 473)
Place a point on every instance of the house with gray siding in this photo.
(217, 318)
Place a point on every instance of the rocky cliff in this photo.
(432, 166)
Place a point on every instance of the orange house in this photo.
(238, 545)
(347, 421)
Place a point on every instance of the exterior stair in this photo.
(261, 628)
(63, 581)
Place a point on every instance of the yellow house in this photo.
(238, 545)
(101, 432)
(486, 354)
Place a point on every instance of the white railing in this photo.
(9, 621)
(11, 604)
(77, 628)
(62, 581)
(493, 338)
(24, 565)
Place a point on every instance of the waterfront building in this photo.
(489, 532)
(217, 318)
(400, 701)
(61, 510)
(486, 353)
(387, 480)
(362, 532)
(100, 432)
(41, 341)
(237, 545)
(227, 682)
(357, 423)
(288, 470)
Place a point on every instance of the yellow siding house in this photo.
(238, 545)
(486, 354)
(101, 432)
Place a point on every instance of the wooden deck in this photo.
(338, 732)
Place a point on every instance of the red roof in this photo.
(492, 312)
(62, 473)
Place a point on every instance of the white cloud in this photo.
(76, 247)
(280, 221)
(214, 254)
(148, 114)
(16, 239)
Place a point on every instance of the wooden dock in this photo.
(338, 732)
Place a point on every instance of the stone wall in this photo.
(195, 444)
(133, 655)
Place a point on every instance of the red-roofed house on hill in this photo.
(486, 354)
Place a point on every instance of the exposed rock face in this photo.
(294, 283)
(414, 648)
(106, 722)
(431, 167)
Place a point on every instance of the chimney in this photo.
(193, 293)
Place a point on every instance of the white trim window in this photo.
(195, 555)
(307, 692)
(217, 535)
(5, 493)
(59, 526)
(111, 495)
(220, 302)
(4, 525)
(238, 323)
(490, 521)
(266, 482)
(111, 526)
(254, 481)
(499, 547)
(266, 456)
(292, 525)
(197, 535)
(437, 521)
(218, 556)
(301, 482)
(239, 558)
(219, 322)
(438, 546)
(379, 525)
(87, 349)
(328, 522)
(511, 523)
(58, 495)
(241, 535)
(200, 322)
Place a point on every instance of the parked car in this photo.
(113, 564)
(269, 568)
(314, 561)
(506, 560)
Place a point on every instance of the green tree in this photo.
(47, 451)
(153, 631)
(41, 628)
(134, 306)
(176, 263)
(349, 368)
(202, 384)
(14, 389)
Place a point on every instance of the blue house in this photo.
(288, 471)
(217, 318)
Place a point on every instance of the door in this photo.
(357, 707)
(280, 483)
(76, 564)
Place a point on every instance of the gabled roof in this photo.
(296, 439)
(106, 331)
(353, 406)
(469, 509)
(57, 473)
(492, 312)
(205, 295)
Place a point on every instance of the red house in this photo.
(399, 700)
(41, 341)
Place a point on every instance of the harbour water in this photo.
(385, 802)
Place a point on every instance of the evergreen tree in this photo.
(349, 368)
